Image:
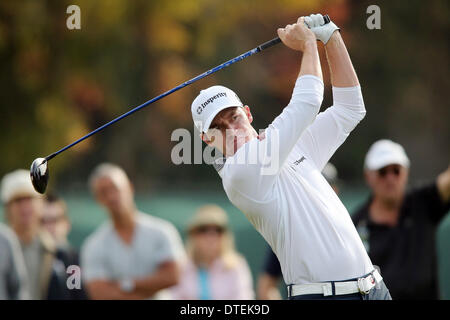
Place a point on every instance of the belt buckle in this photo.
(363, 289)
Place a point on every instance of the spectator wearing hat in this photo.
(133, 255)
(270, 277)
(23, 207)
(214, 271)
(397, 226)
(13, 277)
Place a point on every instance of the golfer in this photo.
(293, 207)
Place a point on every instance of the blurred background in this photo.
(59, 84)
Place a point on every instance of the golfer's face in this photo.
(231, 129)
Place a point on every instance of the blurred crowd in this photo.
(134, 255)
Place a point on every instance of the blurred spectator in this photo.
(133, 256)
(215, 271)
(23, 207)
(13, 277)
(397, 227)
(271, 275)
(56, 221)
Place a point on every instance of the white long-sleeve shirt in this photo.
(287, 199)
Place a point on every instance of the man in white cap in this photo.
(290, 203)
(46, 274)
(398, 227)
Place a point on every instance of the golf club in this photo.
(39, 170)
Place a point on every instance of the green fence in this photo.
(177, 207)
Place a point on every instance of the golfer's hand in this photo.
(323, 31)
(296, 36)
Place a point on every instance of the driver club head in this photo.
(39, 174)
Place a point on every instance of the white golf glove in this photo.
(322, 31)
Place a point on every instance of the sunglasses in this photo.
(383, 172)
(208, 229)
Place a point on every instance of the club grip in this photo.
(269, 43)
(276, 40)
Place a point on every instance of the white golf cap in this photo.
(383, 153)
(17, 184)
(210, 102)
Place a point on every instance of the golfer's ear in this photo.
(248, 113)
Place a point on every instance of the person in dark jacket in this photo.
(55, 220)
(398, 227)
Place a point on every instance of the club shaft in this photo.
(261, 47)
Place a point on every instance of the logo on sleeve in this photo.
(297, 162)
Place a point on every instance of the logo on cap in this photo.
(210, 100)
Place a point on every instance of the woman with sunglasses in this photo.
(214, 271)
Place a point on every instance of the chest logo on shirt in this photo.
(297, 162)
